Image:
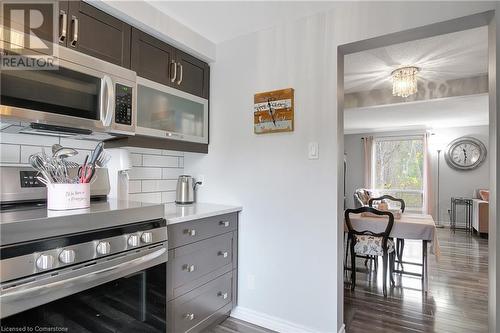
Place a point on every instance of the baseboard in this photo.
(342, 329)
(270, 322)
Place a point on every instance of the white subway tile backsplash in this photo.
(168, 197)
(144, 173)
(146, 197)
(134, 186)
(158, 185)
(172, 153)
(181, 163)
(136, 159)
(171, 173)
(140, 150)
(161, 161)
(9, 153)
(28, 139)
(79, 144)
(27, 151)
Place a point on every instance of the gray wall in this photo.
(452, 182)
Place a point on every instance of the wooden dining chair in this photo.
(370, 243)
(400, 242)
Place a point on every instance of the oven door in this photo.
(82, 92)
(126, 292)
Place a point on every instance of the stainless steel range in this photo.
(101, 269)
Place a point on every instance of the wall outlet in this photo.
(200, 178)
(251, 281)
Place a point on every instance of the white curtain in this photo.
(428, 185)
(368, 154)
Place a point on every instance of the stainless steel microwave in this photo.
(82, 95)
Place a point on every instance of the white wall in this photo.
(459, 183)
(288, 224)
(452, 182)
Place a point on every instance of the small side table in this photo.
(467, 204)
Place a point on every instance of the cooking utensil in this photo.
(102, 160)
(86, 171)
(96, 153)
(38, 164)
(55, 148)
(65, 152)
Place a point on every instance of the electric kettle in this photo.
(186, 186)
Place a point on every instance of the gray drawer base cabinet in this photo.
(201, 272)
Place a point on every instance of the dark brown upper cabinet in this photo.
(151, 58)
(155, 60)
(91, 31)
(192, 75)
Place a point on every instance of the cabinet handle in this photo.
(180, 76)
(189, 268)
(74, 21)
(189, 316)
(190, 232)
(223, 254)
(225, 224)
(174, 76)
(63, 19)
(222, 295)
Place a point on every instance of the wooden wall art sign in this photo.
(273, 111)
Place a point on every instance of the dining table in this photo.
(406, 226)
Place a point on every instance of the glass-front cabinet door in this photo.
(170, 113)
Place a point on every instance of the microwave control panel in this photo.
(123, 105)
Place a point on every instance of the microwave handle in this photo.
(108, 104)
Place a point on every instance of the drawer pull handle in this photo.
(190, 232)
(189, 316)
(225, 224)
(223, 254)
(222, 295)
(189, 268)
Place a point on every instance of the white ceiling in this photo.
(451, 56)
(219, 21)
(435, 113)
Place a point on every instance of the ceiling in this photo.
(450, 56)
(219, 21)
(435, 113)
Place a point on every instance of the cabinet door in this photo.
(192, 75)
(98, 34)
(15, 26)
(151, 58)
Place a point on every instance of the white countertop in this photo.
(182, 213)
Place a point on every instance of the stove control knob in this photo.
(133, 240)
(45, 261)
(147, 237)
(103, 248)
(67, 256)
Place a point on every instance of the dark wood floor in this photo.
(457, 300)
(232, 325)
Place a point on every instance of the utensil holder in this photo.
(68, 196)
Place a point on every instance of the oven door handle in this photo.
(98, 275)
(108, 103)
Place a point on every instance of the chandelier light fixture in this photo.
(404, 81)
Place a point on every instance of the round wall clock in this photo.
(465, 153)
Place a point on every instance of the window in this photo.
(398, 168)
